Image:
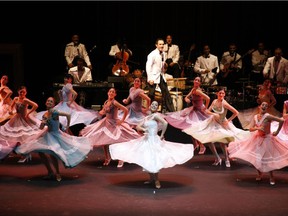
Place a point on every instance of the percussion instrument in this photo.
(178, 82)
(177, 98)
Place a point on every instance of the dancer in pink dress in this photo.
(110, 129)
(52, 144)
(246, 116)
(264, 150)
(151, 151)
(6, 147)
(5, 100)
(136, 113)
(218, 129)
(23, 124)
(283, 133)
(191, 115)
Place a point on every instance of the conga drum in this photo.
(177, 98)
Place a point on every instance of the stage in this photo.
(194, 188)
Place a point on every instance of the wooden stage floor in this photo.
(194, 188)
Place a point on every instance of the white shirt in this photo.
(87, 75)
(227, 59)
(115, 49)
(72, 51)
(259, 60)
(155, 65)
(172, 52)
(209, 63)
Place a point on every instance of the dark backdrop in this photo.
(44, 28)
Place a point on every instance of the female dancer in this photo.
(67, 104)
(283, 133)
(23, 124)
(110, 129)
(135, 111)
(264, 150)
(246, 116)
(5, 100)
(219, 128)
(185, 118)
(51, 141)
(150, 151)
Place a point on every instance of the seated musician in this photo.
(173, 54)
(230, 65)
(207, 66)
(117, 51)
(81, 75)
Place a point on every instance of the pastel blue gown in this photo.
(71, 150)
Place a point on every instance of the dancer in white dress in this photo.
(218, 129)
(151, 151)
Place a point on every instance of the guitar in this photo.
(228, 68)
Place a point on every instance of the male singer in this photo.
(155, 75)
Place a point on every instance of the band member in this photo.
(230, 65)
(155, 69)
(207, 66)
(173, 55)
(75, 50)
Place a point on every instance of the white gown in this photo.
(150, 152)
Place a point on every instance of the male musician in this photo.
(258, 60)
(230, 65)
(173, 54)
(116, 49)
(207, 66)
(117, 52)
(76, 50)
(276, 68)
(80, 73)
(155, 75)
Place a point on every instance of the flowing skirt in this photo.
(71, 150)
(152, 153)
(265, 153)
(210, 130)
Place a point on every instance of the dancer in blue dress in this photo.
(53, 142)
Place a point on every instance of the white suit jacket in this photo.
(87, 76)
(154, 66)
(210, 63)
(71, 52)
(173, 53)
(282, 72)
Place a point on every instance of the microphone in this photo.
(162, 55)
(93, 48)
